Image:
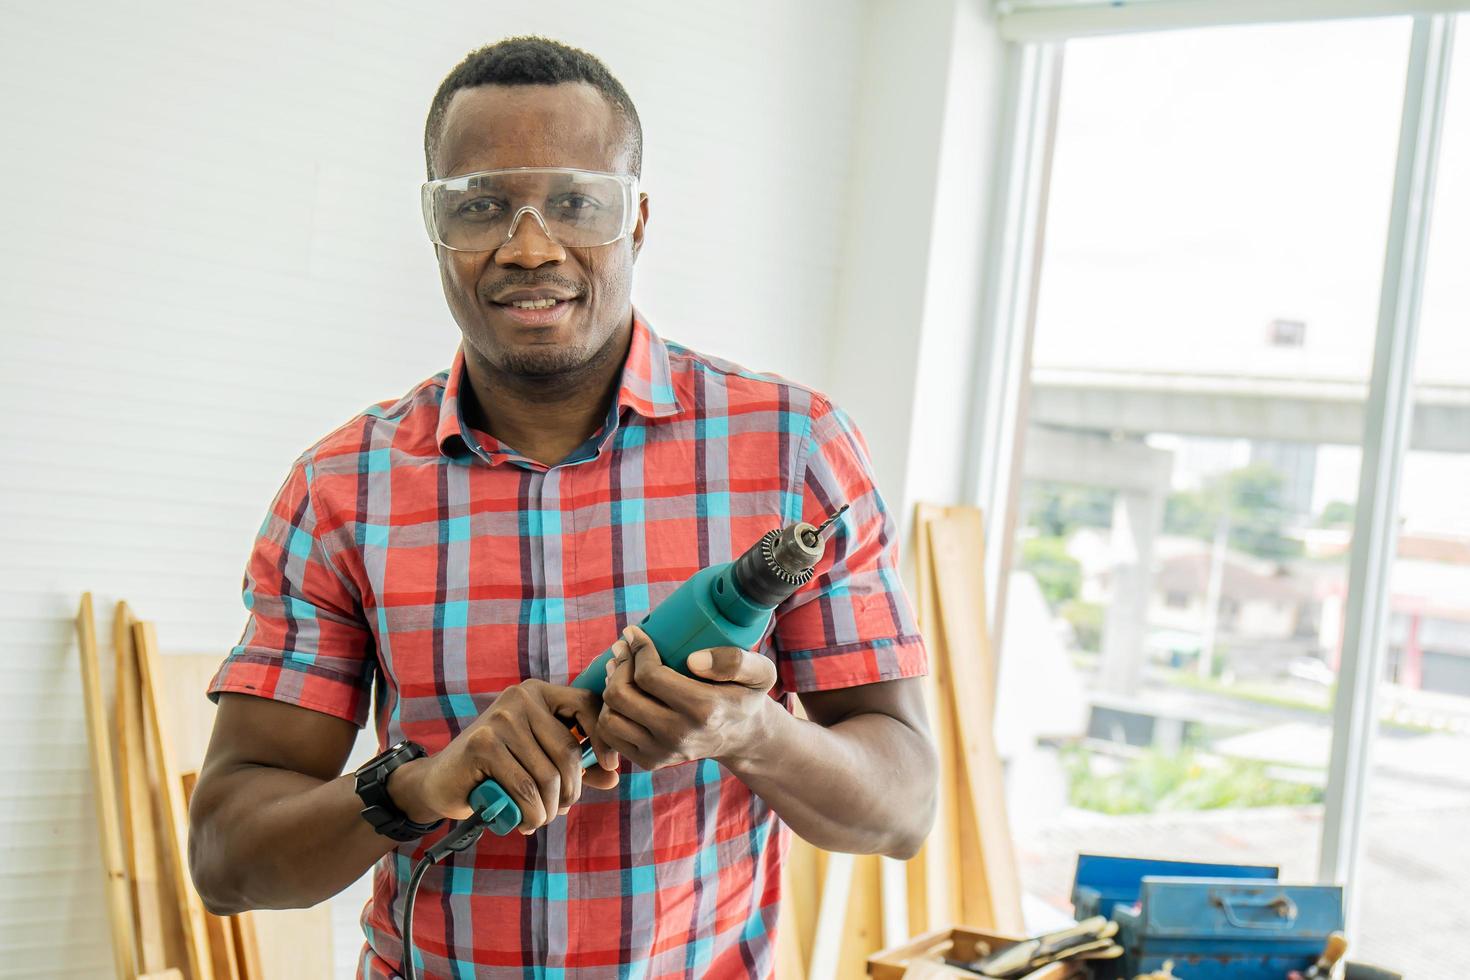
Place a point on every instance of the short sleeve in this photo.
(305, 642)
(852, 624)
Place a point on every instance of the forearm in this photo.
(863, 785)
(271, 838)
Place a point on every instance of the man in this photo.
(466, 550)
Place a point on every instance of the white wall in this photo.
(212, 256)
(904, 357)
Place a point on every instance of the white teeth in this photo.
(533, 304)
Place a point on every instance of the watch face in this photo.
(375, 760)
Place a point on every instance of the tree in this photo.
(1337, 513)
(1058, 573)
(1248, 500)
(1057, 509)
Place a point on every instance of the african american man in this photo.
(454, 557)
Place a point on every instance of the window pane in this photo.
(1214, 248)
(1416, 856)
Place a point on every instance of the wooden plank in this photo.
(171, 793)
(989, 881)
(104, 792)
(139, 828)
(247, 946)
(862, 933)
(296, 944)
(284, 944)
(801, 896)
(190, 714)
(789, 962)
(221, 932)
(832, 918)
(932, 886)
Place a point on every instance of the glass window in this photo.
(1415, 863)
(1204, 336)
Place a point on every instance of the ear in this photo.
(639, 227)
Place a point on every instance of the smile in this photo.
(537, 312)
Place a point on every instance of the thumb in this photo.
(731, 665)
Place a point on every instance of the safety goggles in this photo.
(480, 212)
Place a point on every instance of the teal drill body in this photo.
(707, 611)
(726, 605)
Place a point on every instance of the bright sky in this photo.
(1209, 182)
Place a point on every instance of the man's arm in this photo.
(273, 824)
(859, 776)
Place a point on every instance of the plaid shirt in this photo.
(411, 553)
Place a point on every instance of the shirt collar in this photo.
(647, 388)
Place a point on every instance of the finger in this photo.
(624, 734)
(687, 698)
(503, 767)
(731, 665)
(562, 749)
(607, 756)
(625, 697)
(599, 778)
(651, 674)
(543, 772)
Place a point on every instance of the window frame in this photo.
(1007, 329)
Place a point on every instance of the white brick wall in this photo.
(210, 255)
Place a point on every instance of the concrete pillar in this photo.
(1411, 667)
(1137, 516)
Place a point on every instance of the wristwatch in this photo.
(378, 807)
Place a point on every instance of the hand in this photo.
(658, 717)
(520, 742)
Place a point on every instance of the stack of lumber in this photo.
(839, 909)
(160, 724)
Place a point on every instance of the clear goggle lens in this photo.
(577, 208)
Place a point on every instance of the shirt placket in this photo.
(549, 660)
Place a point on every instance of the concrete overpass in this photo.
(1234, 406)
(1087, 426)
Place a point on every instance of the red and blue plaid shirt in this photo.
(410, 553)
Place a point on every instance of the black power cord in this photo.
(461, 836)
(500, 816)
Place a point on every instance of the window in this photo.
(1416, 853)
(1187, 613)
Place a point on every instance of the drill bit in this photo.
(814, 536)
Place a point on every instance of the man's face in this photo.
(495, 127)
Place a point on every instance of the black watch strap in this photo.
(378, 807)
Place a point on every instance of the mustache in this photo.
(514, 280)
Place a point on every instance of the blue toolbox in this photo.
(1222, 929)
(1103, 882)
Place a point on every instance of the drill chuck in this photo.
(781, 562)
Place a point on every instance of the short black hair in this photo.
(531, 61)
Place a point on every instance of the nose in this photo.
(529, 245)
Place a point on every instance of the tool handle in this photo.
(1245, 913)
(1336, 947)
(495, 806)
(689, 619)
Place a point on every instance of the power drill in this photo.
(726, 605)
